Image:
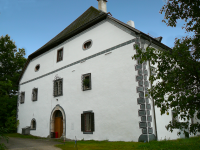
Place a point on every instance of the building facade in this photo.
(84, 83)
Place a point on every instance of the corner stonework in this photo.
(145, 106)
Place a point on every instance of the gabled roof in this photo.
(89, 18)
(89, 15)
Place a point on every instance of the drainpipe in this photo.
(152, 98)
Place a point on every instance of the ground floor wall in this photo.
(115, 98)
(162, 122)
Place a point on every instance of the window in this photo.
(33, 124)
(192, 120)
(58, 86)
(87, 44)
(34, 94)
(37, 67)
(22, 98)
(86, 82)
(174, 118)
(153, 70)
(87, 122)
(60, 55)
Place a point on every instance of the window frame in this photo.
(83, 122)
(55, 81)
(36, 70)
(83, 46)
(152, 70)
(22, 101)
(31, 127)
(61, 49)
(90, 82)
(36, 94)
(174, 119)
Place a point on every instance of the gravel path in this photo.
(30, 144)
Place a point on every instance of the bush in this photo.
(11, 123)
(2, 136)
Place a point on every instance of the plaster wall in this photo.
(163, 120)
(104, 35)
(113, 97)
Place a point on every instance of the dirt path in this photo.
(30, 144)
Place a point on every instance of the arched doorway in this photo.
(57, 121)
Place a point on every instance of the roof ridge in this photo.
(57, 36)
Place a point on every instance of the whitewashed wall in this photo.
(163, 120)
(113, 97)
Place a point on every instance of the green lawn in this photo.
(180, 144)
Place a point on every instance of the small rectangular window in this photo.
(87, 118)
(34, 94)
(153, 70)
(58, 87)
(60, 55)
(87, 122)
(174, 118)
(22, 98)
(86, 82)
(192, 120)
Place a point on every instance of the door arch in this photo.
(57, 112)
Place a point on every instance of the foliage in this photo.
(11, 123)
(177, 83)
(177, 78)
(187, 10)
(11, 64)
(3, 131)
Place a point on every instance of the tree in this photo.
(11, 64)
(176, 83)
(3, 131)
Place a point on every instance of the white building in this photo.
(84, 83)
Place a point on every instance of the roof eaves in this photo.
(69, 35)
(145, 36)
(59, 41)
(23, 70)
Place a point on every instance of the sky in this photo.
(32, 23)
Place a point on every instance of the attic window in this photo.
(37, 67)
(60, 55)
(87, 44)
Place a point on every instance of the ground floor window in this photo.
(33, 124)
(87, 122)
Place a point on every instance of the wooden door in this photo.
(59, 126)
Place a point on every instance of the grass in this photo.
(180, 144)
